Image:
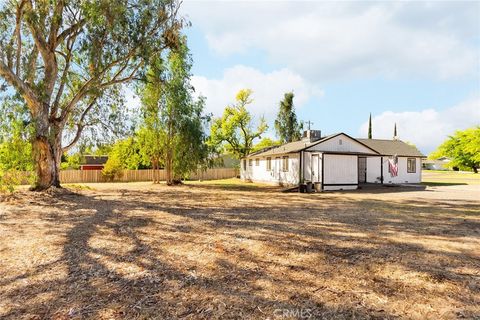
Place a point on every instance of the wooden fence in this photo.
(84, 176)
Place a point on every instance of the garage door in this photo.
(340, 171)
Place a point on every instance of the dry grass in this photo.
(226, 250)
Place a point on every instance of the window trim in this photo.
(257, 162)
(250, 162)
(269, 163)
(414, 169)
(285, 161)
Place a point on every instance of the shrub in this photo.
(113, 169)
(9, 179)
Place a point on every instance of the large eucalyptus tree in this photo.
(62, 56)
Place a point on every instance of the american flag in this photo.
(393, 167)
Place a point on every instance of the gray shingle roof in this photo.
(290, 147)
(384, 147)
(89, 159)
(392, 147)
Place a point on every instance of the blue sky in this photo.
(414, 63)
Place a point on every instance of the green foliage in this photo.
(286, 125)
(265, 143)
(15, 147)
(126, 153)
(233, 130)
(72, 162)
(113, 169)
(172, 130)
(15, 135)
(66, 60)
(463, 148)
(9, 180)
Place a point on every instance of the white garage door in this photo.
(340, 171)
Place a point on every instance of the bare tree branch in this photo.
(80, 126)
(18, 33)
(72, 29)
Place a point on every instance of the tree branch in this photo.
(23, 88)
(18, 33)
(80, 126)
(117, 80)
(48, 55)
(57, 19)
(72, 29)
(36, 34)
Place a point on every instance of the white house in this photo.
(336, 162)
(437, 164)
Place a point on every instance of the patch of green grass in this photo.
(450, 173)
(437, 177)
(232, 184)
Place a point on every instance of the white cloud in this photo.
(321, 40)
(268, 89)
(427, 128)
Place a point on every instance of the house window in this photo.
(245, 164)
(411, 165)
(257, 162)
(250, 162)
(285, 163)
(340, 142)
(269, 164)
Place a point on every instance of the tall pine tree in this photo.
(370, 126)
(286, 125)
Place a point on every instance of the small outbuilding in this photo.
(90, 162)
(437, 164)
(334, 162)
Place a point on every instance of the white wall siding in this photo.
(374, 169)
(341, 143)
(403, 175)
(333, 188)
(274, 176)
(340, 169)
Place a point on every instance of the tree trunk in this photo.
(46, 164)
(475, 170)
(47, 156)
(169, 168)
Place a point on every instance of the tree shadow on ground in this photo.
(436, 184)
(116, 266)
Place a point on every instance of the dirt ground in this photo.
(232, 251)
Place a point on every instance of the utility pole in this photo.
(309, 123)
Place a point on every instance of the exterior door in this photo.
(278, 163)
(315, 168)
(362, 169)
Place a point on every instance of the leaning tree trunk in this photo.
(47, 152)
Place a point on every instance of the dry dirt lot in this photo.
(231, 251)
